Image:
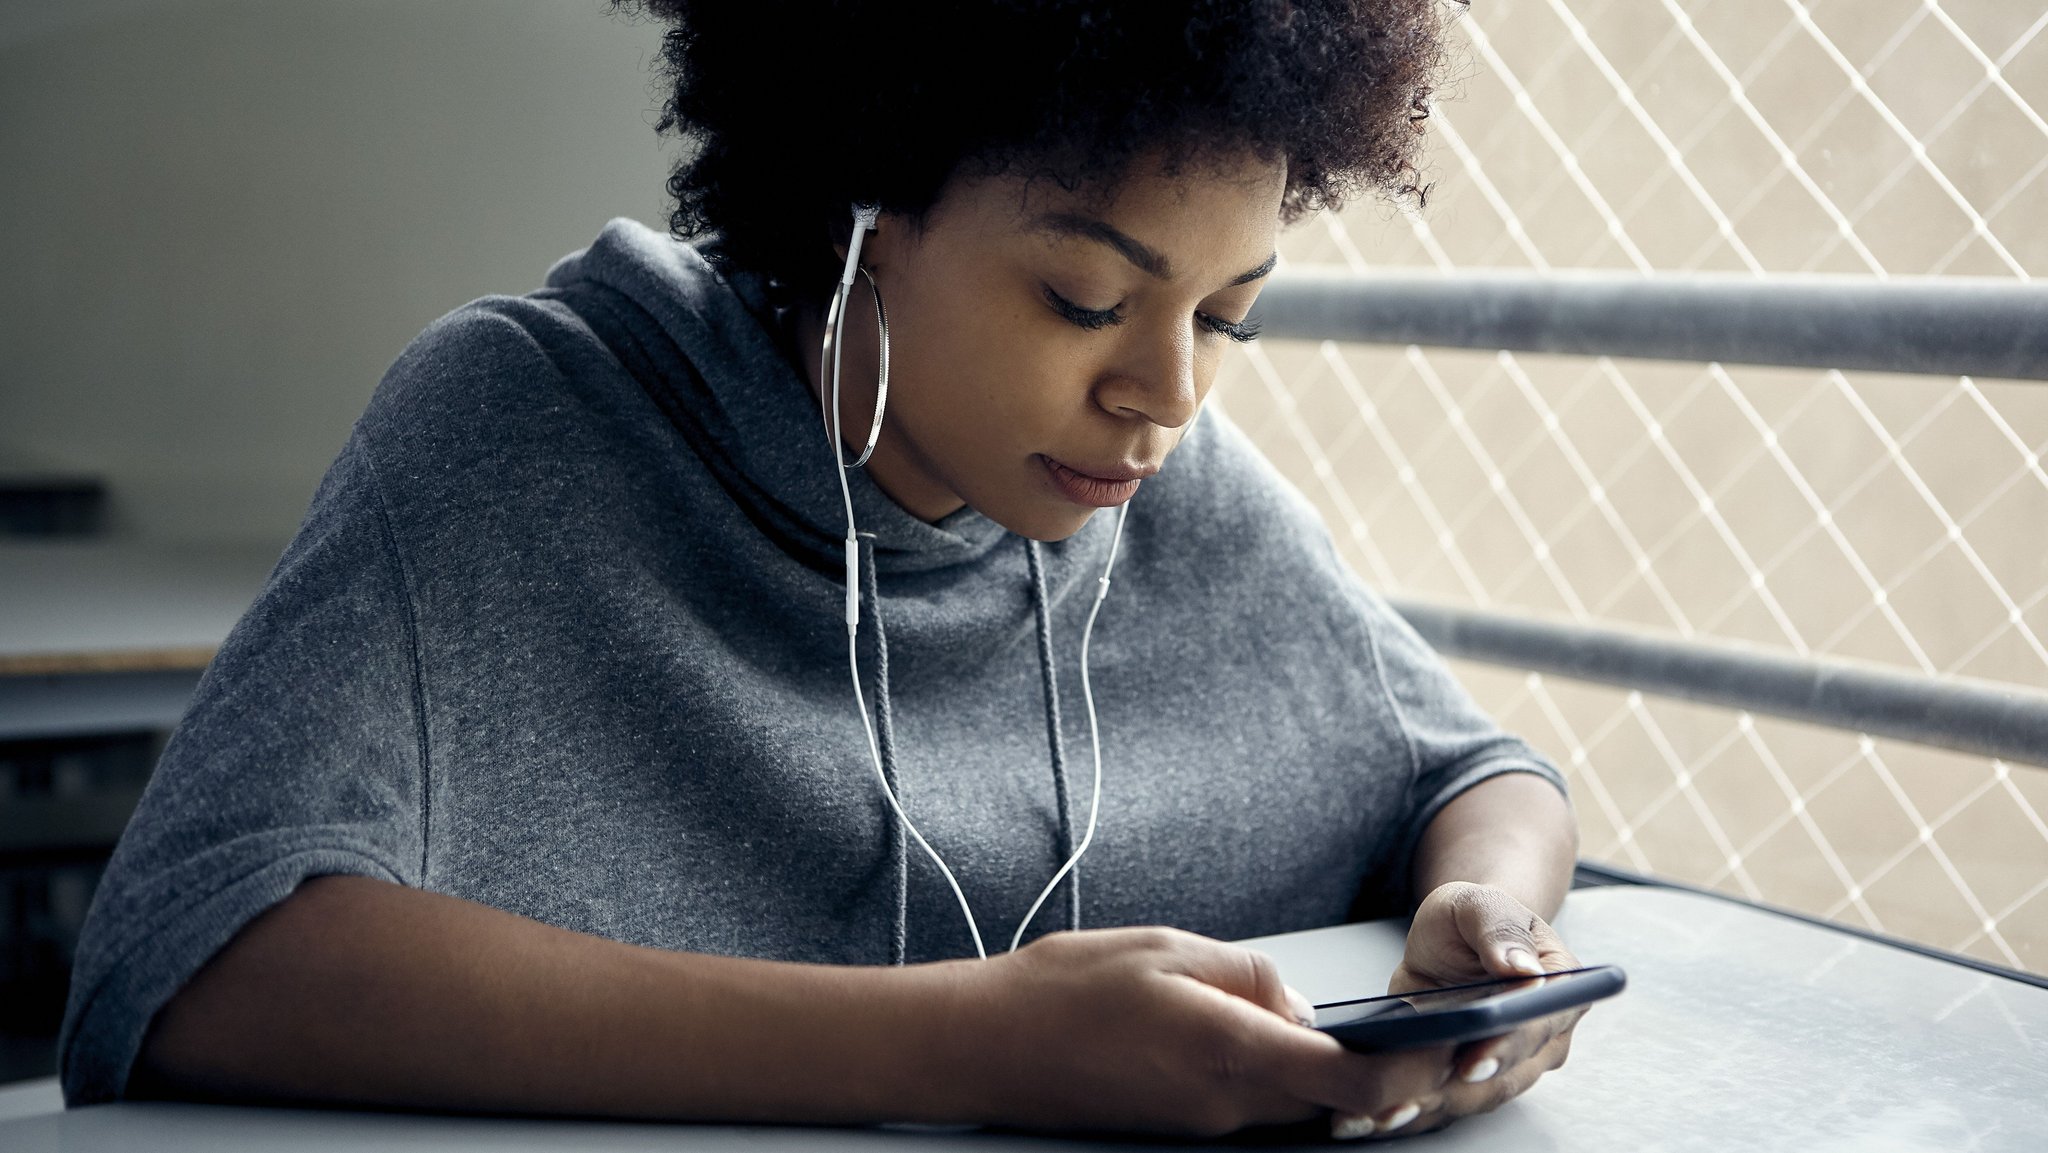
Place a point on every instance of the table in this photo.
(99, 636)
(103, 640)
(1741, 1029)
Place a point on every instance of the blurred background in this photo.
(223, 220)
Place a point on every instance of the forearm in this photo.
(356, 990)
(1514, 832)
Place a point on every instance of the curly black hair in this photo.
(795, 111)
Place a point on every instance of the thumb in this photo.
(1299, 1007)
(1503, 932)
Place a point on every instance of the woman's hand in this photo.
(1164, 1031)
(1465, 933)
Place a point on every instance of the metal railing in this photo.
(1981, 717)
(1928, 325)
(1952, 326)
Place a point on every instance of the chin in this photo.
(1043, 523)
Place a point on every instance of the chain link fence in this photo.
(1887, 518)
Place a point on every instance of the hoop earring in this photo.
(835, 324)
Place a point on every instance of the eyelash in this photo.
(1243, 332)
(1094, 319)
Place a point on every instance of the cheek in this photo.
(1041, 388)
(994, 367)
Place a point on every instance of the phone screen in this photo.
(1428, 1000)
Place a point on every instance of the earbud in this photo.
(864, 217)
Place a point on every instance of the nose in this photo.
(1154, 380)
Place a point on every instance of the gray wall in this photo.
(222, 220)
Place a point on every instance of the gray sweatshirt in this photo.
(563, 633)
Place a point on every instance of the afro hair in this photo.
(792, 112)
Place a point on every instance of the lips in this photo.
(1097, 486)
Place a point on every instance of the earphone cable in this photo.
(1094, 732)
(875, 753)
(864, 219)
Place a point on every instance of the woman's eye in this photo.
(1088, 318)
(1241, 331)
(1092, 319)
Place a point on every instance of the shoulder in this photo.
(561, 350)
(1226, 524)
(1218, 490)
(491, 353)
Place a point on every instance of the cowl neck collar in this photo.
(727, 374)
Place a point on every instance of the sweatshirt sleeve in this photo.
(302, 753)
(1452, 743)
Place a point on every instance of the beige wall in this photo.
(222, 220)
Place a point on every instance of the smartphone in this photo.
(1463, 1012)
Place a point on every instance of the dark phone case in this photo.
(1485, 1019)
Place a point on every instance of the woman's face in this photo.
(1048, 349)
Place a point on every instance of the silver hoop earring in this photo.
(835, 323)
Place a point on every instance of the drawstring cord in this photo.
(898, 845)
(1057, 742)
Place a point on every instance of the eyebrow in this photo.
(1247, 277)
(1152, 263)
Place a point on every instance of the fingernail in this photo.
(1523, 961)
(1344, 1128)
(1304, 1010)
(1483, 1071)
(1400, 1117)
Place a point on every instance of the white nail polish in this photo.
(1400, 1117)
(1350, 1128)
(1483, 1071)
(1304, 1010)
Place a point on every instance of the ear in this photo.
(879, 246)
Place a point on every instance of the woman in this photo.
(536, 778)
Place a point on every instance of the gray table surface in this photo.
(1741, 1029)
(102, 636)
(81, 598)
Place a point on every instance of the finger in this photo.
(1244, 1057)
(1551, 950)
(1425, 1120)
(1368, 1085)
(1552, 1055)
(1393, 1122)
(1241, 972)
(1481, 1060)
(1280, 1066)
(1304, 1012)
(1460, 1099)
(1437, 952)
(1361, 1087)
(1475, 1098)
(1429, 1123)
(1424, 1114)
(1501, 930)
(1431, 1110)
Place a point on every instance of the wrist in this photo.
(1512, 832)
(936, 1061)
(1538, 891)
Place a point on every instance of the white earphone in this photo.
(864, 217)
